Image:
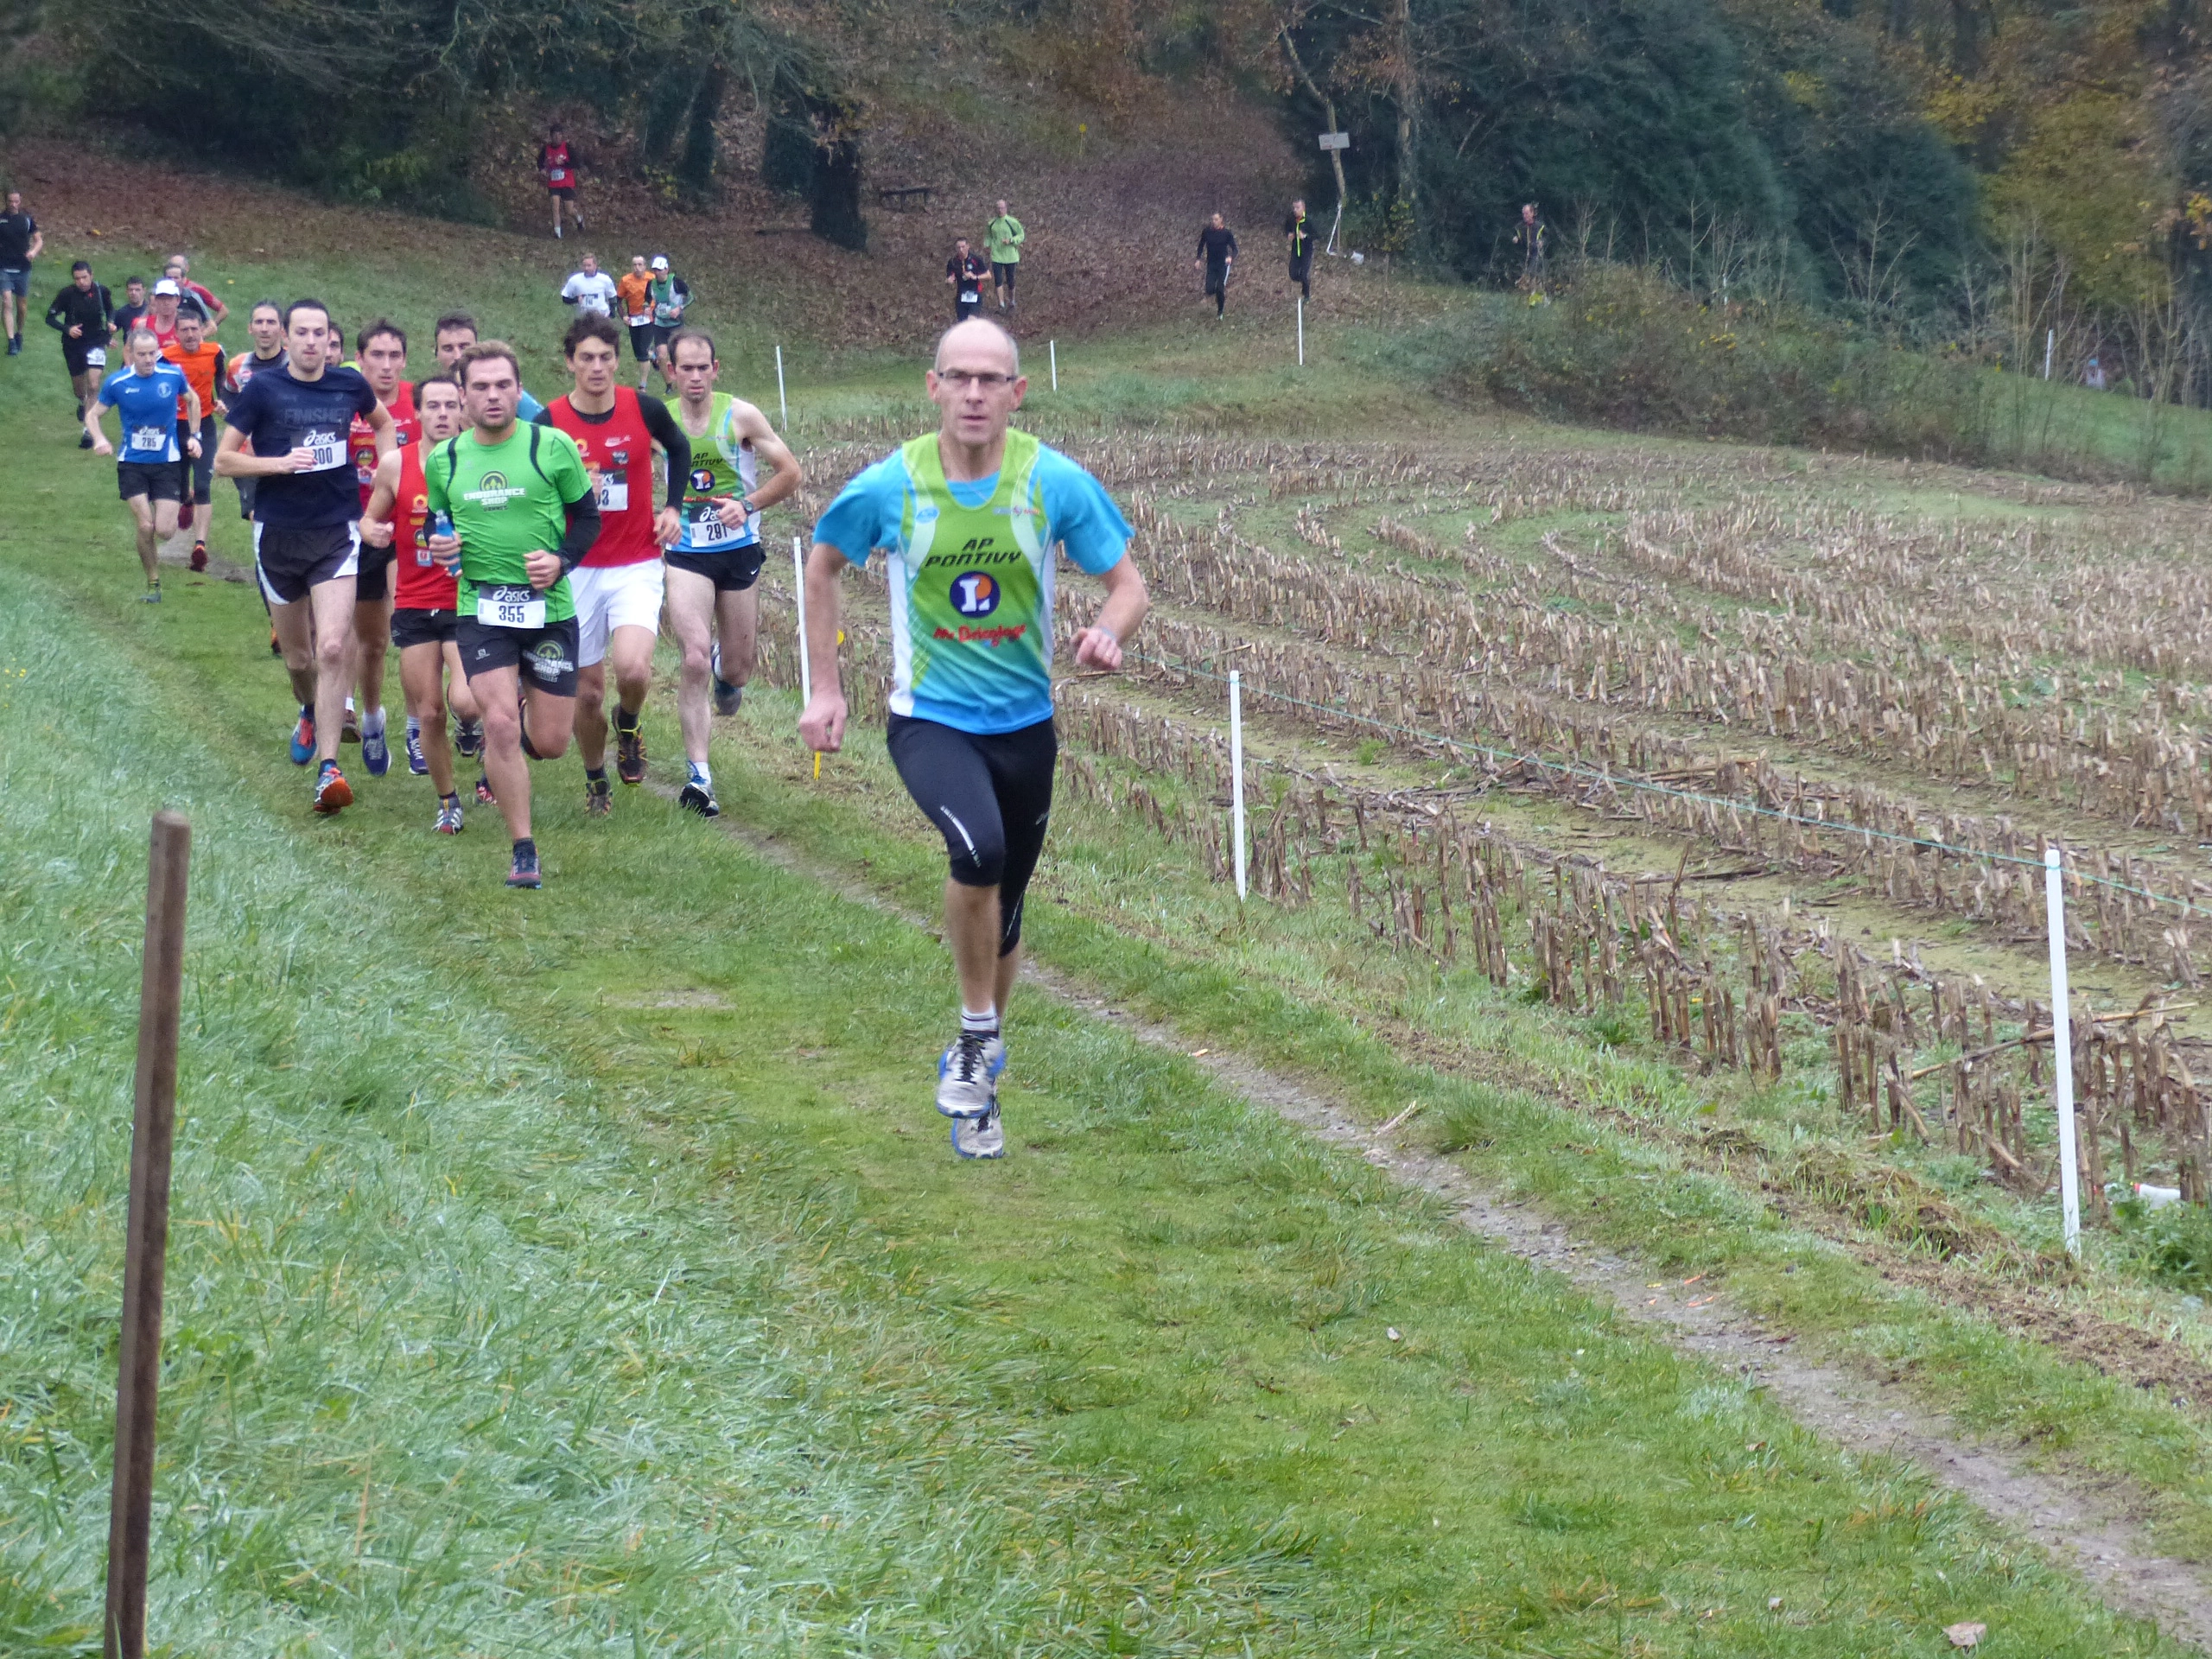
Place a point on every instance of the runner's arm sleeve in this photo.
(57, 314)
(1082, 517)
(671, 437)
(866, 513)
(583, 529)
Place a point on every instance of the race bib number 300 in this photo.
(328, 450)
(510, 607)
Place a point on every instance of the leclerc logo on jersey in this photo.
(702, 480)
(976, 593)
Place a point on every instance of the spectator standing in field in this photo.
(590, 289)
(1300, 240)
(558, 164)
(1216, 257)
(192, 295)
(1529, 234)
(2094, 376)
(672, 297)
(21, 243)
(633, 300)
(964, 274)
(80, 315)
(1003, 238)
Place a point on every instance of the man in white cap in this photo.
(671, 294)
(160, 319)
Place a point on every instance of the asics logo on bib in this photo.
(493, 492)
(975, 594)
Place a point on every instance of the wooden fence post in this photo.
(161, 997)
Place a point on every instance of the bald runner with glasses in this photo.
(968, 518)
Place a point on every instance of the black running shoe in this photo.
(629, 750)
(468, 739)
(696, 799)
(728, 697)
(484, 790)
(522, 873)
(598, 799)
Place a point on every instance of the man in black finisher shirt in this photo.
(1216, 256)
(289, 432)
(21, 242)
(79, 315)
(1300, 240)
(965, 273)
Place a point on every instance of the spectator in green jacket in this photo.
(1004, 236)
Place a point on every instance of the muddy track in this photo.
(2082, 1527)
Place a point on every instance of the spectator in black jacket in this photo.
(82, 314)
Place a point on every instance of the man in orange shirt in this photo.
(202, 361)
(633, 304)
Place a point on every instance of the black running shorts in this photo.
(547, 655)
(161, 480)
(731, 573)
(1003, 274)
(989, 797)
(412, 628)
(373, 580)
(290, 562)
(644, 338)
(78, 356)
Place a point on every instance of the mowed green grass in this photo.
(586, 1271)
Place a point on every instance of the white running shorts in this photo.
(614, 596)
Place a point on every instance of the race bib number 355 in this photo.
(510, 607)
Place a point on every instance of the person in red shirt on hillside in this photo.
(423, 622)
(558, 164)
(201, 360)
(619, 588)
(380, 351)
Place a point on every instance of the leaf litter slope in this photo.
(476, 1346)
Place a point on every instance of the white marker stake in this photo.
(1053, 346)
(2062, 1044)
(1301, 331)
(1237, 772)
(798, 593)
(783, 407)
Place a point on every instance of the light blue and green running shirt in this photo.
(971, 573)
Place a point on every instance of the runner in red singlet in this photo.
(380, 350)
(430, 676)
(618, 587)
(558, 164)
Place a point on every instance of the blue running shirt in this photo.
(975, 671)
(148, 403)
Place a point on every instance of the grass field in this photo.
(585, 1272)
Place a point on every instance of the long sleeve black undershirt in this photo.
(660, 426)
(582, 531)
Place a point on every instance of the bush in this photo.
(1622, 346)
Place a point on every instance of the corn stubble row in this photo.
(1849, 651)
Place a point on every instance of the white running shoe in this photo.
(979, 1137)
(967, 1075)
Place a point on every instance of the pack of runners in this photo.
(515, 552)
